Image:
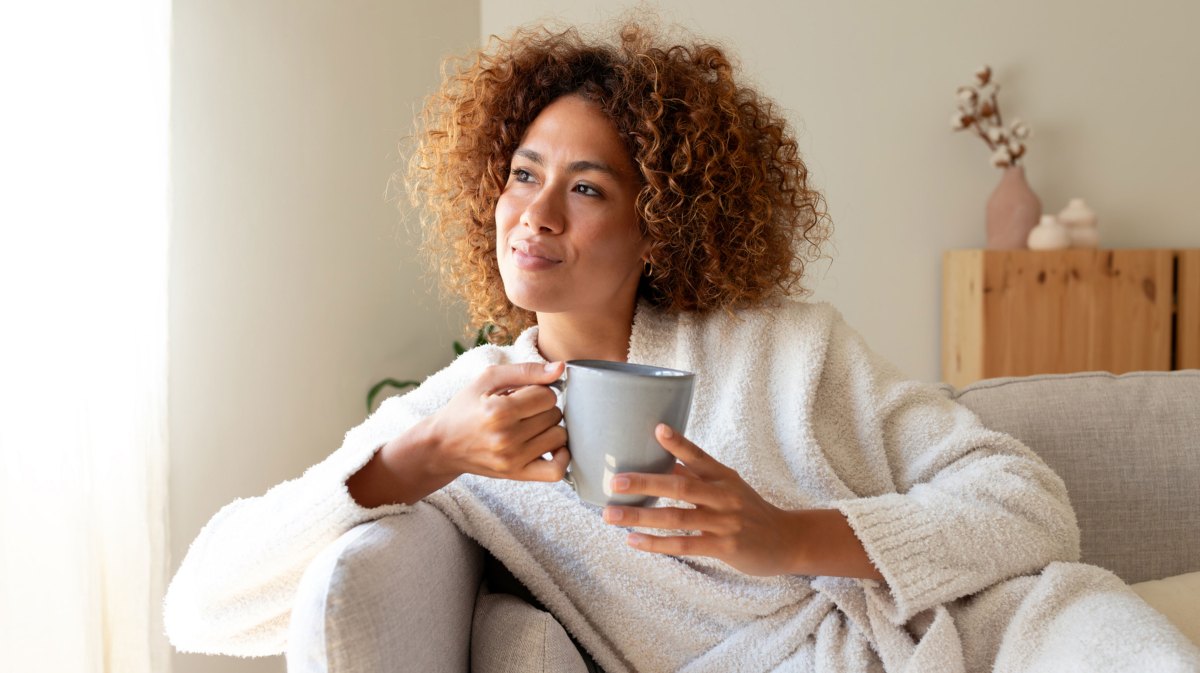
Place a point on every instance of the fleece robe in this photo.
(972, 532)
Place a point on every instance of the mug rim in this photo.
(644, 371)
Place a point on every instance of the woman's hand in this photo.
(736, 524)
(501, 425)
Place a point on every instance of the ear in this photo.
(645, 254)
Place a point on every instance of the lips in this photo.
(534, 252)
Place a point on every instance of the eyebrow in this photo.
(573, 167)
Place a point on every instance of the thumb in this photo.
(507, 377)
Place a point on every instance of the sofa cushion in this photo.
(1178, 598)
(1128, 449)
(389, 595)
(509, 635)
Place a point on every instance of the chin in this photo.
(524, 297)
(531, 302)
(539, 297)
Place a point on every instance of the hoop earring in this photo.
(648, 269)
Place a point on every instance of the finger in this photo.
(684, 471)
(511, 456)
(532, 427)
(702, 464)
(672, 486)
(668, 518)
(685, 545)
(531, 400)
(501, 378)
(540, 469)
(551, 438)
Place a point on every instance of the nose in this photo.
(544, 214)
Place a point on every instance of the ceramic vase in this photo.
(1080, 222)
(1013, 211)
(1049, 234)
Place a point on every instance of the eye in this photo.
(521, 175)
(587, 190)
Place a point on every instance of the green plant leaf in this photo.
(481, 338)
(399, 385)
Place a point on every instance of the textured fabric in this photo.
(1075, 618)
(792, 398)
(1178, 598)
(392, 595)
(227, 597)
(1128, 448)
(509, 635)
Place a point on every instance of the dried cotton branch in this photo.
(979, 110)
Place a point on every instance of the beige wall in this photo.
(1108, 87)
(290, 288)
(291, 292)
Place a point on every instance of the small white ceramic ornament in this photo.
(1080, 222)
(1049, 234)
(1084, 237)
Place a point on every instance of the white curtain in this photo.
(83, 334)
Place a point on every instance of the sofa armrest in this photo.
(393, 594)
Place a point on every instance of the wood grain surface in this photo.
(1023, 312)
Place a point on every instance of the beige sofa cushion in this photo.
(1128, 448)
(398, 589)
(1178, 598)
(509, 635)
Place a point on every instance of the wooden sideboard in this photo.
(1022, 312)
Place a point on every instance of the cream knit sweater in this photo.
(972, 531)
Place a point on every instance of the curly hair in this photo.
(724, 199)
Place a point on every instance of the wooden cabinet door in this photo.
(1022, 312)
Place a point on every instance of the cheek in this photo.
(622, 246)
(613, 259)
(507, 215)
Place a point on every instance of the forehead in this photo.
(573, 128)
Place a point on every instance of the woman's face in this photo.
(567, 237)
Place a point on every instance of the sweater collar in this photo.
(651, 340)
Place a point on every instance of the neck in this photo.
(575, 336)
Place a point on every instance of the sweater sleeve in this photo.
(234, 590)
(967, 507)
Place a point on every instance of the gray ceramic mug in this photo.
(611, 410)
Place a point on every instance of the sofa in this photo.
(1128, 448)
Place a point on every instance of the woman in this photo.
(631, 202)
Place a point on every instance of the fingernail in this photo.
(551, 366)
(636, 539)
(620, 483)
(613, 514)
(667, 432)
